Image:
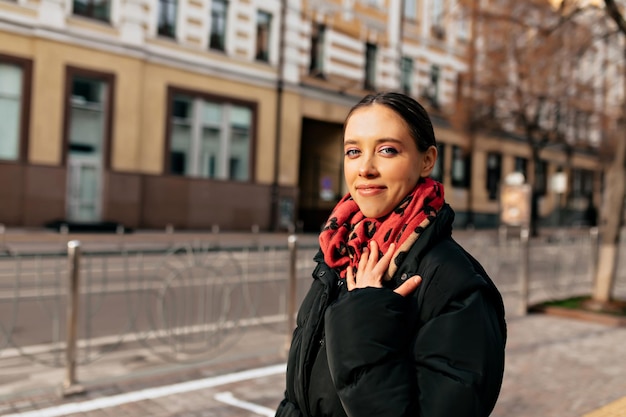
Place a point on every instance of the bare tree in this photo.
(613, 199)
(526, 78)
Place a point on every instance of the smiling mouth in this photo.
(368, 190)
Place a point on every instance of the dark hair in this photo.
(415, 116)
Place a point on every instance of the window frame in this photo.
(493, 192)
(465, 157)
(318, 50)
(172, 33)
(405, 9)
(521, 162)
(173, 91)
(258, 52)
(91, 15)
(223, 35)
(107, 142)
(369, 79)
(26, 66)
(406, 74)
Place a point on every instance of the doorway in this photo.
(321, 172)
(87, 124)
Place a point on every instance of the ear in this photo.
(430, 158)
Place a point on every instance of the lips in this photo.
(370, 189)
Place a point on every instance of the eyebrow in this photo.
(381, 140)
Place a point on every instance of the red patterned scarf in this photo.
(348, 231)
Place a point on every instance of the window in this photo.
(431, 91)
(463, 23)
(437, 172)
(460, 168)
(87, 115)
(406, 76)
(87, 130)
(521, 166)
(316, 67)
(14, 77)
(94, 9)
(219, 13)
(437, 13)
(370, 66)
(410, 9)
(167, 18)
(582, 183)
(437, 27)
(494, 173)
(263, 30)
(374, 3)
(210, 138)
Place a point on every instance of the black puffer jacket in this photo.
(371, 352)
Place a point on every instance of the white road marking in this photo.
(228, 398)
(151, 393)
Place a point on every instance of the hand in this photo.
(371, 270)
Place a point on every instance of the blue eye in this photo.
(352, 152)
(388, 150)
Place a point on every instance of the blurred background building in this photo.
(194, 113)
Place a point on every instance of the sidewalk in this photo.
(556, 367)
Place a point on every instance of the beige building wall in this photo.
(139, 111)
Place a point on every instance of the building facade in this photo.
(196, 113)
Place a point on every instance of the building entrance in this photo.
(321, 172)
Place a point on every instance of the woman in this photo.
(399, 320)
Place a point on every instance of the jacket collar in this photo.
(438, 230)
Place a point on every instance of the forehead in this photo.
(376, 120)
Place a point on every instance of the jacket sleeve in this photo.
(452, 366)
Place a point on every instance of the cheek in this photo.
(349, 170)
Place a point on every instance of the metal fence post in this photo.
(524, 269)
(292, 241)
(70, 385)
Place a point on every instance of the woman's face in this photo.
(381, 161)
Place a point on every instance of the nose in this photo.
(367, 168)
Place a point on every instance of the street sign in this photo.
(515, 204)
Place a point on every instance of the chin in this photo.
(374, 214)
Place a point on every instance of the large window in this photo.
(316, 66)
(460, 168)
(410, 9)
(87, 116)
(494, 174)
(437, 13)
(431, 91)
(521, 165)
(219, 13)
(94, 9)
(581, 183)
(167, 18)
(210, 139)
(88, 123)
(263, 30)
(406, 76)
(14, 87)
(370, 66)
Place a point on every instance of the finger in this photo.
(362, 263)
(383, 264)
(350, 281)
(373, 258)
(409, 286)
